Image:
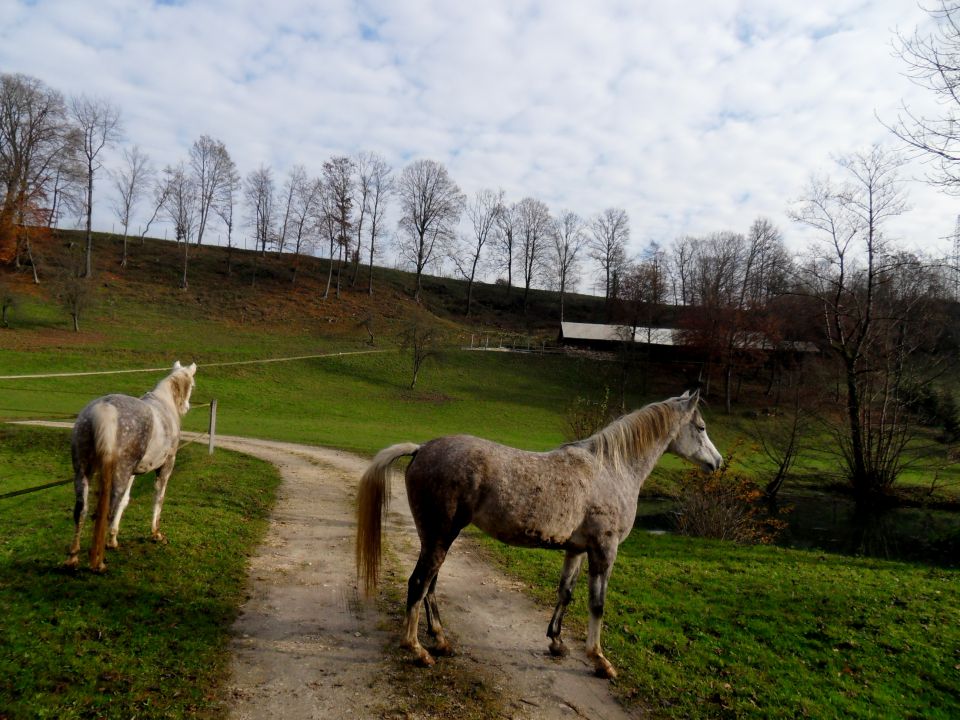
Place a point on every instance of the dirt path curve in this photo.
(306, 646)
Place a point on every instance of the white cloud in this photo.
(694, 117)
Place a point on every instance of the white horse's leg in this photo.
(163, 475)
(117, 514)
(81, 488)
(601, 564)
(568, 579)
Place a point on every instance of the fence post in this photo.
(213, 424)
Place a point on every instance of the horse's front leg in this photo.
(163, 475)
(119, 503)
(568, 579)
(601, 564)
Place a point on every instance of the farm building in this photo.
(666, 341)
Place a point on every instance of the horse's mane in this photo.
(180, 384)
(629, 436)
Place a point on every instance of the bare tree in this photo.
(292, 187)
(569, 238)
(382, 185)
(430, 206)
(130, 182)
(36, 143)
(506, 239)
(161, 190)
(224, 203)
(610, 232)
(534, 226)
(870, 336)
(211, 165)
(307, 204)
(483, 211)
(933, 62)
(76, 296)
(422, 341)
(99, 124)
(338, 179)
(259, 193)
(182, 208)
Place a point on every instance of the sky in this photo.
(695, 117)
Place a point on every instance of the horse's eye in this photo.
(701, 428)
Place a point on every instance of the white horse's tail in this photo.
(373, 497)
(105, 428)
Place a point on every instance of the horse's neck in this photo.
(161, 397)
(642, 466)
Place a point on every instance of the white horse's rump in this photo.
(117, 437)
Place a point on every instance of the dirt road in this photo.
(307, 646)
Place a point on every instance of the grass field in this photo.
(697, 628)
(149, 638)
(710, 629)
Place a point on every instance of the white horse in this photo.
(581, 498)
(119, 437)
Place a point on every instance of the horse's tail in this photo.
(105, 427)
(373, 496)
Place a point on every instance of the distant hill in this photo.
(272, 288)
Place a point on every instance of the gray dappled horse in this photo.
(118, 437)
(581, 497)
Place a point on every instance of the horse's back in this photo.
(517, 496)
(133, 419)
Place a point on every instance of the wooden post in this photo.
(213, 424)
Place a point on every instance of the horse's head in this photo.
(691, 442)
(181, 385)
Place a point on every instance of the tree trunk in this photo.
(88, 265)
(186, 260)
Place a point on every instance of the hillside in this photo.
(271, 289)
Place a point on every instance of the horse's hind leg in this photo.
(81, 489)
(423, 580)
(163, 475)
(568, 579)
(434, 627)
(119, 505)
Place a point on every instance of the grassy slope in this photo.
(683, 613)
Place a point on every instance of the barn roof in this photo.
(617, 333)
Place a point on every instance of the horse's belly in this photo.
(528, 529)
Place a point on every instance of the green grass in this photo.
(709, 629)
(148, 638)
(697, 628)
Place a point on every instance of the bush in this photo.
(725, 506)
(584, 416)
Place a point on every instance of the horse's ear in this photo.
(192, 369)
(686, 394)
(176, 365)
(692, 399)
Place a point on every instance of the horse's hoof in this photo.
(158, 537)
(113, 544)
(424, 659)
(603, 669)
(443, 649)
(72, 562)
(558, 649)
(99, 569)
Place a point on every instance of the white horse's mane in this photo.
(628, 437)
